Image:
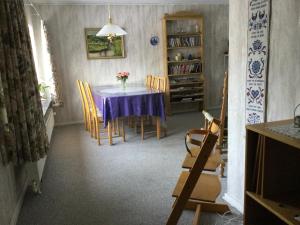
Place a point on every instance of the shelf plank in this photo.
(185, 34)
(188, 95)
(284, 212)
(185, 61)
(174, 91)
(184, 74)
(185, 102)
(186, 83)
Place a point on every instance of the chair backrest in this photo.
(162, 84)
(192, 179)
(155, 83)
(83, 104)
(90, 98)
(223, 109)
(84, 96)
(148, 80)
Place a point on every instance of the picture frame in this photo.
(101, 47)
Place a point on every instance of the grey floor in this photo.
(125, 184)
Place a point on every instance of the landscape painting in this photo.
(101, 47)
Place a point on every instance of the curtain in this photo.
(22, 129)
(56, 94)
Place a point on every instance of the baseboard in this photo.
(69, 123)
(18, 207)
(234, 202)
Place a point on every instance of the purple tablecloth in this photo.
(116, 102)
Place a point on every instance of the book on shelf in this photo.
(185, 68)
(174, 42)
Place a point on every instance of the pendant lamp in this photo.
(111, 30)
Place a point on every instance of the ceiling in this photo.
(126, 2)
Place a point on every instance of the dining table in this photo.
(133, 100)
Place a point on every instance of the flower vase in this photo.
(123, 83)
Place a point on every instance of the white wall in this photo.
(283, 80)
(13, 183)
(66, 25)
(284, 70)
(236, 101)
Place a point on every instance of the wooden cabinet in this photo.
(272, 178)
(183, 61)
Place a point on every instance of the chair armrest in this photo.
(189, 139)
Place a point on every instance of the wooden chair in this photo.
(97, 121)
(196, 190)
(216, 159)
(157, 83)
(85, 107)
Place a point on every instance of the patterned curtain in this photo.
(22, 129)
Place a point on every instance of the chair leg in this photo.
(142, 127)
(95, 128)
(222, 168)
(115, 126)
(92, 128)
(123, 130)
(196, 220)
(85, 120)
(119, 127)
(88, 122)
(158, 127)
(98, 132)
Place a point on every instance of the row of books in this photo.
(184, 79)
(184, 41)
(185, 68)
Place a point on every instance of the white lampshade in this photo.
(111, 29)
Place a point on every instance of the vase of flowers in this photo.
(123, 76)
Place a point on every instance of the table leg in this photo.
(109, 132)
(158, 127)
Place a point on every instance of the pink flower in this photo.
(122, 75)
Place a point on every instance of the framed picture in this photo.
(101, 47)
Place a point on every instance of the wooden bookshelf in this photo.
(272, 178)
(183, 34)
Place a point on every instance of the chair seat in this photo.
(207, 188)
(212, 163)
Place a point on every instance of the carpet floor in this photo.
(125, 184)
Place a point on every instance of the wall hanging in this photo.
(258, 46)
